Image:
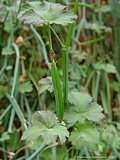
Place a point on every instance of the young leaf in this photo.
(79, 98)
(45, 84)
(84, 108)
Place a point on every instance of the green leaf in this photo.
(109, 68)
(79, 98)
(86, 136)
(83, 108)
(40, 13)
(45, 84)
(108, 133)
(92, 113)
(46, 129)
(46, 118)
(58, 91)
(26, 87)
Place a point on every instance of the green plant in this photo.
(59, 88)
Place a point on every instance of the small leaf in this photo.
(84, 108)
(86, 136)
(79, 98)
(45, 84)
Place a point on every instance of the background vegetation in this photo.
(59, 79)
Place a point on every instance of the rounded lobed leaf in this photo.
(45, 129)
(39, 13)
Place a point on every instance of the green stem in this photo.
(14, 83)
(95, 85)
(116, 31)
(27, 108)
(12, 115)
(59, 40)
(42, 45)
(17, 110)
(54, 154)
(4, 66)
(90, 42)
(65, 74)
(5, 112)
(40, 148)
(16, 68)
(66, 62)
